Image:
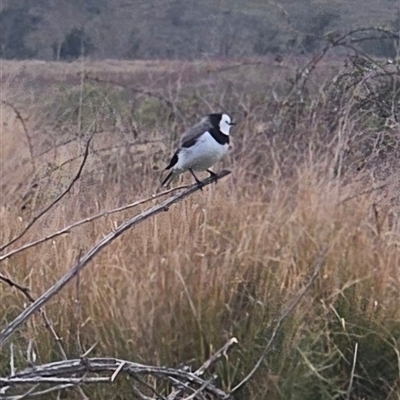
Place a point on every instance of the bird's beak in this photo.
(232, 123)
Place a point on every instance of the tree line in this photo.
(130, 29)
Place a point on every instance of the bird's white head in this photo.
(225, 124)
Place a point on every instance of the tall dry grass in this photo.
(225, 262)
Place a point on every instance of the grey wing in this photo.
(190, 137)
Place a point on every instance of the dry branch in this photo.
(52, 291)
(68, 228)
(345, 40)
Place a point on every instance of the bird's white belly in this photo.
(202, 155)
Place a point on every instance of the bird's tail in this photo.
(168, 179)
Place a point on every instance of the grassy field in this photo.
(226, 262)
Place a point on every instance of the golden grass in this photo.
(225, 262)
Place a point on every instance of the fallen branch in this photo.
(70, 373)
(52, 291)
(52, 204)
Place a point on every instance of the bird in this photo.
(200, 147)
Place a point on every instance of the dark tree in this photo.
(76, 43)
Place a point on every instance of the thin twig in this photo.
(12, 364)
(117, 371)
(376, 217)
(352, 372)
(52, 291)
(23, 289)
(222, 351)
(91, 348)
(78, 309)
(51, 205)
(319, 264)
(106, 213)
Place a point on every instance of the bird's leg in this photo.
(212, 174)
(199, 182)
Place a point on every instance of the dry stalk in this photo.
(352, 372)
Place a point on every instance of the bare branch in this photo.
(23, 289)
(52, 291)
(67, 229)
(319, 264)
(46, 209)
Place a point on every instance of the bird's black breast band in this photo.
(219, 136)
